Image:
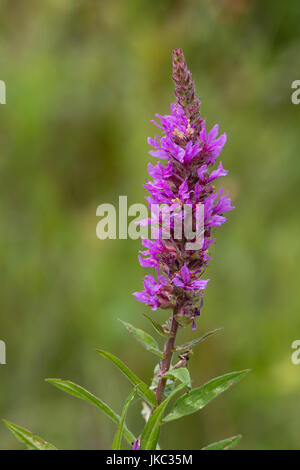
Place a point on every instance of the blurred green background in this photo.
(84, 79)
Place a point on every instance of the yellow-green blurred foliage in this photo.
(84, 78)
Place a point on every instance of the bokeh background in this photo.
(84, 78)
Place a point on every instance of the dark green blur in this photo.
(84, 78)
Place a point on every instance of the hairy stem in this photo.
(168, 352)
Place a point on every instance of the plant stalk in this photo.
(168, 353)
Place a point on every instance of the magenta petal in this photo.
(213, 133)
(136, 445)
(185, 274)
(199, 284)
(177, 282)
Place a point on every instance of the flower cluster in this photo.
(187, 178)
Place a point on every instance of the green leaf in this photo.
(157, 326)
(144, 338)
(191, 344)
(150, 434)
(118, 436)
(181, 374)
(199, 397)
(142, 388)
(80, 392)
(226, 444)
(170, 384)
(26, 437)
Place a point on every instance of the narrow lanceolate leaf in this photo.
(150, 434)
(118, 437)
(226, 444)
(199, 397)
(181, 374)
(32, 441)
(191, 344)
(80, 392)
(144, 338)
(157, 326)
(142, 388)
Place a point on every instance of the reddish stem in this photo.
(168, 352)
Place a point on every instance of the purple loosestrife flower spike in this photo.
(186, 178)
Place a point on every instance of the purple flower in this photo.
(205, 177)
(184, 280)
(136, 445)
(212, 146)
(196, 312)
(155, 293)
(159, 171)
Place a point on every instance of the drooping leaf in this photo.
(80, 392)
(157, 326)
(32, 441)
(181, 374)
(191, 344)
(118, 436)
(150, 434)
(226, 444)
(144, 338)
(142, 388)
(198, 398)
